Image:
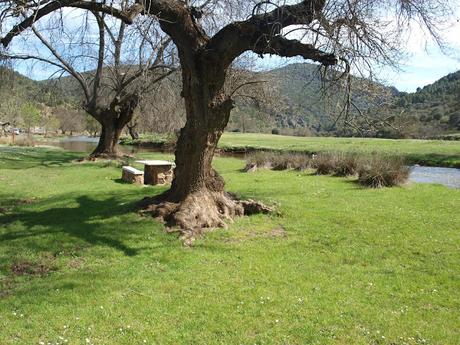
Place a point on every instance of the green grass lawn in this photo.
(340, 264)
(426, 152)
(423, 152)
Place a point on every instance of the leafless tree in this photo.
(114, 64)
(340, 35)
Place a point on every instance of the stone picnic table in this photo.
(157, 171)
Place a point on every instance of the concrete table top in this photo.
(156, 163)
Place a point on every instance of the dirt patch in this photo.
(28, 268)
(279, 231)
(76, 263)
(24, 201)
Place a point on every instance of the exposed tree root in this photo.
(200, 212)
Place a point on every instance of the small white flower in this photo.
(87, 340)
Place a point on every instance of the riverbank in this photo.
(422, 152)
(337, 264)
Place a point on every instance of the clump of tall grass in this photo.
(277, 161)
(325, 163)
(18, 141)
(5, 140)
(383, 171)
(24, 141)
(373, 170)
(336, 163)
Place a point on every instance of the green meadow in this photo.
(337, 263)
(423, 152)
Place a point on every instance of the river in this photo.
(449, 177)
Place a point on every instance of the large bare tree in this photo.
(113, 64)
(342, 34)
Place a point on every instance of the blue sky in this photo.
(424, 62)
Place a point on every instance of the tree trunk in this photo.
(197, 200)
(108, 141)
(133, 132)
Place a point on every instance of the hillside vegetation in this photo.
(434, 108)
(294, 101)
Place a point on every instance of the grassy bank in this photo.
(423, 152)
(340, 265)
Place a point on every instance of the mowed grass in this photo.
(427, 152)
(339, 264)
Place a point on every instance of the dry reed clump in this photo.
(18, 141)
(24, 141)
(326, 163)
(347, 165)
(383, 171)
(5, 140)
(336, 163)
(276, 161)
(374, 170)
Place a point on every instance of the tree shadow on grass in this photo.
(90, 222)
(26, 158)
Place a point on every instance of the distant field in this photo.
(428, 152)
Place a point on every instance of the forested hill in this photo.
(435, 106)
(297, 103)
(306, 101)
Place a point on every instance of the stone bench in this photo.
(132, 175)
(157, 171)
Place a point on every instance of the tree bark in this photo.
(113, 119)
(133, 132)
(197, 200)
(108, 140)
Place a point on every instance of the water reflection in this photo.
(449, 177)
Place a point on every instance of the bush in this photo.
(347, 165)
(284, 161)
(374, 171)
(326, 163)
(383, 171)
(18, 141)
(277, 161)
(275, 131)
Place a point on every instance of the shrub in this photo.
(325, 163)
(18, 141)
(275, 131)
(5, 140)
(24, 141)
(383, 171)
(276, 161)
(336, 163)
(284, 161)
(347, 165)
